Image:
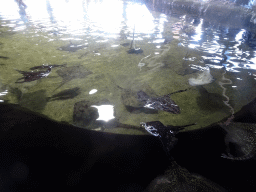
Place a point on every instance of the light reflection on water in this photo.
(81, 17)
(223, 46)
(78, 17)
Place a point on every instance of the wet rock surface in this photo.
(240, 140)
(177, 178)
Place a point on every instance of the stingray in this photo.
(164, 103)
(66, 94)
(240, 140)
(33, 75)
(72, 47)
(141, 100)
(47, 66)
(3, 57)
(165, 133)
(125, 44)
(74, 72)
(133, 49)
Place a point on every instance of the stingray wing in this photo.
(164, 103)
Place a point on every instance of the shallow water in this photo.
(44, 34)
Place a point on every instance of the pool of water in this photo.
(93, 75)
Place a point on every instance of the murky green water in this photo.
(171, 56)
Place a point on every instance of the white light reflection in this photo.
(3, 93)
(160, 27)
(253, 60)
(214, 66)
(114, 46)
(93, 91)
(239, 36)
(37, 11)
(158, 41)
(106, 15)
(106, 112)
(10, 11)
(140, 16)
(79, 16)
(197, 37)
(69, 15)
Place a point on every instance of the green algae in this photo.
(112, 67)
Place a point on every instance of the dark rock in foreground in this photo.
(41, 154)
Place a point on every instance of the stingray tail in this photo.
(59, 86)
(132, 46)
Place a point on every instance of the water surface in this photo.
(97, 35)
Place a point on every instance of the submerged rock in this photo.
(87, 116)
(84, 115)
(179, 179)
(240, 140)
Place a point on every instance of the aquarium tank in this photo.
(167, 70)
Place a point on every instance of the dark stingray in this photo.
(66, 94)
(165, 133)
(3, 57)
(74, 72)
(33, 75)
(138, 102)
(83, 55)
(72, 47)
(240, 140)
(47, 66)
(125, 44)
(135, 51)
(164, 103)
